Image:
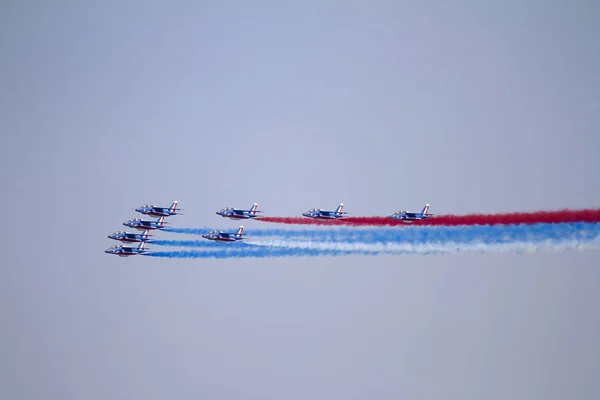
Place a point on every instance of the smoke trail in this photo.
(421, 234)
(423, 240)
(189, 231)
(469, 239)
(258, 252)
(465, 234)
(438, 248)
(551, 217)
(461, 234)
(198, 243)
(315, 249)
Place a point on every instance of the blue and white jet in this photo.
(410, 217)
(128, 237)
(126, 251)
(234, 213)
(221, 236)
(156, 211)
(317, 213)
(142, 224)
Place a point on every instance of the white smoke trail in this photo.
(437, 248)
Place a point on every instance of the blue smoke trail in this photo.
(407, 240)
(419, 235)
(258, 252)
(315, 249)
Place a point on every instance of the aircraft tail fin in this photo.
(160, 221)
(339, 209)
(425, 209)
(142, 246)
(145, 235)
(239, 232)
(253, 208)
(173, 206)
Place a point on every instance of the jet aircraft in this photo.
(409, 217)
(234, 213)
(142, 224)
(128, 237)
(317, 213)
(221, 236)
(126, 251)
(156, 211)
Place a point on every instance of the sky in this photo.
(381, 105)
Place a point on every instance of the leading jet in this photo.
(234, 213)
(317, 213)
(221, 236)
(156, 211)
(126, 251)
(410, 217)
(127, 237)
(142, 224)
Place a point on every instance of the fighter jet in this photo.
(127, 237)
(317, 213)
(410, 217)
(125, 251)
(142, 225)
(234, 213)
(221, 236)
(156, 211)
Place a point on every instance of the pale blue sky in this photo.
(381, 105)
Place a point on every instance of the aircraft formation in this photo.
(151, 210)
(318, 213)
(143, 225)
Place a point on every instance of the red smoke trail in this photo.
(551, 217)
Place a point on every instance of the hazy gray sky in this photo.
(381, 105)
